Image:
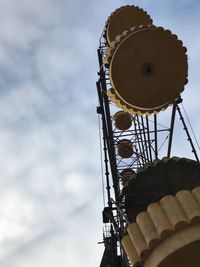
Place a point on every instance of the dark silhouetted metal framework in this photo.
(148, 138)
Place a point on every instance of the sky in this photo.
(50, 182)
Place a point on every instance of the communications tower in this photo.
(152, 206)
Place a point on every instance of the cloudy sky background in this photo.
(50, 182)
